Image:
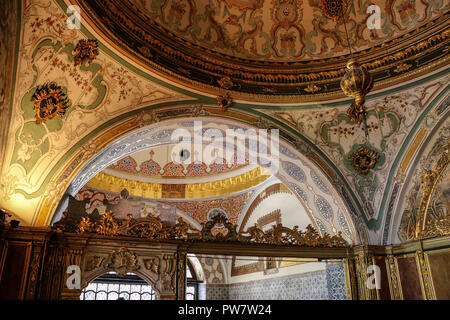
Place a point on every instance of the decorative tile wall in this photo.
(217, 292)
(335, 277)
(328, 284)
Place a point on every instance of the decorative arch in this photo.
(130, 135)
(261, 195)
(85, 281)
(198, 268)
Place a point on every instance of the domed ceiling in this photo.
(157, 163)
(153, 174)
(273, 50)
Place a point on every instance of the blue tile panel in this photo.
(328, 284)
(335, 275)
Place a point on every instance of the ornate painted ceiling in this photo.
(158, 163)
(280, 30)
(84, 106)
(273, 50)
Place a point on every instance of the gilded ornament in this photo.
(49, 102)
(363, 160)
(429, 181)
(152, 264)
(146, 118)
(94, 263)
(85, 224)
(152, 228)
(122, 261)
(107, 225)
(145, 51)
(279, 235)
(219, 219)
(198, 111)
(402, 67)
(225, 82)
(168, 270)
(436, 228)
(85, 51)
(333, 9)
(312, 88)
(356, 83)
(425, 275)
(217, 66)
(224, 102)
(356, 113)
(394, 279)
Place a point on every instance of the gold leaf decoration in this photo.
(312, 88)
(402, 67)
(94, 263)
(333, 9)
(49, 102)
(85, 51)
(224, 102)
(225, 82)
(152, 228)
(122, 261)
(436, 228)
(363, 160)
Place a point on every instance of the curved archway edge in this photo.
(139, 122)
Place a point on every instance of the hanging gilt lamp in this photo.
(356, 83)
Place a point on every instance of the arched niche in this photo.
(327, 208)
(157, 265)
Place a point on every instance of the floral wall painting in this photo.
(49, 102)
(85, 52)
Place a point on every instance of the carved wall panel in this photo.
(156, 266)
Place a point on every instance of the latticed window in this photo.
(111, 286)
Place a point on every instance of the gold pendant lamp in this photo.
(356, 83)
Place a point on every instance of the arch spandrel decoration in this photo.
(424, 213)
(155, 130)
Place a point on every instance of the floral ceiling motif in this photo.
(85, 51)
(283, 30)
(49, 101)
(277, 50)
(199, 210)
(151, 167)
(363, 160)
